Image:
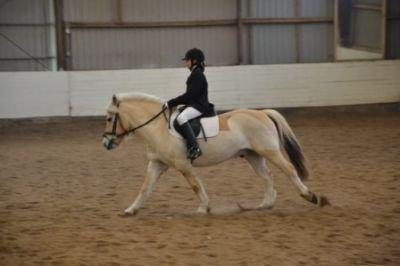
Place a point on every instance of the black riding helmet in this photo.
(194, 54)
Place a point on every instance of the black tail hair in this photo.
(293, 150)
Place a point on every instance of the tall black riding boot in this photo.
(192, 146)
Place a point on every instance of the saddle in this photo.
(205, 126)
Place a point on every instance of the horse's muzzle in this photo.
(109, 143)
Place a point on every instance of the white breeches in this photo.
(187, 114)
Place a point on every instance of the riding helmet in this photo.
(194, 54)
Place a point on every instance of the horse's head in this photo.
(117, 129)
(114, 131)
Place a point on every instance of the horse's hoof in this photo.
(265, 207)
(323, 201)
(128, 213)
(268, 203)
(203, 210)
(243, 208)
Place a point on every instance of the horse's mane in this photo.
(139, 96)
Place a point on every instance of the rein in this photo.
(126, 132)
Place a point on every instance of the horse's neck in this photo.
(138, 113)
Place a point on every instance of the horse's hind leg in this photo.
(258, 163)
(276, 157)
(154, 171)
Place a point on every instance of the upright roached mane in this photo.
(257, 135)
(137, 96)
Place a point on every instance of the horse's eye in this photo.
(109, 119)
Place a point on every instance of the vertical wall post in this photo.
(297, 31)
(50, 33)
(239, 31)
(67, 47)
(60, 40)
(335, 29)
(119, 11)
(249, 34)
(383, 28)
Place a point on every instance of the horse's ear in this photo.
(115, 100)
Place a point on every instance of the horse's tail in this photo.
(289, 142)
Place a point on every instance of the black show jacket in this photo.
(196, 94)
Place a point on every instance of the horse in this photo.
(256, 135)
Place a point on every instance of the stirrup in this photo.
(194, 153)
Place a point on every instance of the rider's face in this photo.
(188, 64)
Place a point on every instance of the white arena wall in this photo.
(87, 93)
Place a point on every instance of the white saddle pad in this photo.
(210, 125)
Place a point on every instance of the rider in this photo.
(195, 99)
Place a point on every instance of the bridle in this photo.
(117, 120)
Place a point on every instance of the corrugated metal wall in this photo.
(162, 47)
(393, 29)
(148, 10)
(316, 43)
(275, 44)
(30, 24)
(178, 10)
(89, 10)
(368, 2)
(367, 29)
(316, 8)
(271, 9)
(367, 25)
(150, 47)
(316, 40)
(272, 44)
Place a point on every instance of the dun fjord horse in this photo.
(255, 135)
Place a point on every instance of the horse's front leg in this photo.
(154, 170)
(198, 188)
